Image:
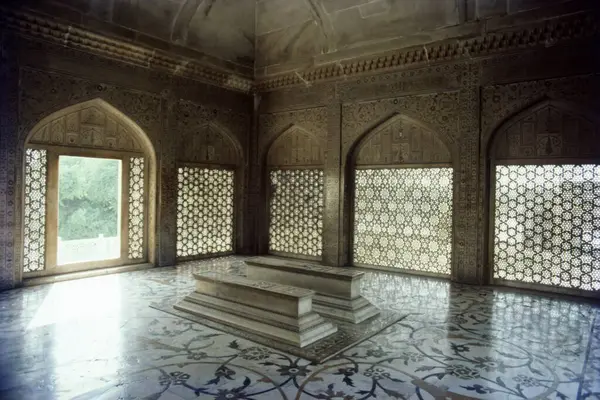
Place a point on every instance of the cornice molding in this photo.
(40, 27)
(542, 34)
(538, 35)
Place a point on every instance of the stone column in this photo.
(334, 251)
(254, 215)
(166, 227)
(9, 165)
(468, 237)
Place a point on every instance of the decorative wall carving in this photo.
(313, 120)
(464, 123)
(210, 134)
(552, 31)
(41, 27)
(501, 102)
(287, 126)
(296, 146)
(209, 144)
(436, 110)
(89, 127)
(43, 93)
(401, 140)
(547, 130)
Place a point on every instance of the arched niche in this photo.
(400, 140)
(294, 162)
(542, 173)
(547, 130)
(210, 197)
(93, 129)
(210, 144)
(401, 194)
(296, 146)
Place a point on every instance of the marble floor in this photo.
(97, 338)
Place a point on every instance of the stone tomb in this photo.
(269, 309)
(338, 289)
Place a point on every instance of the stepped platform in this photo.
(272, 310)
(338, 289)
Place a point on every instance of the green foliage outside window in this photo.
(89, 197)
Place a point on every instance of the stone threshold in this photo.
(42, 280)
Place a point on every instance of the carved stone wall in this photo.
(90, 127)
(211, 134)
(549, 121)
(464, 104)
(286, 139)
(313, 120)
(217, 136)
(32, 91)
(401, 140)
(547, 130)
(296, 146)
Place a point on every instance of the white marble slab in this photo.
(276, 311)
(338, 289)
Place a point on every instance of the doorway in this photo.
(89, 209)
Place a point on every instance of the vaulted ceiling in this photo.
(263, 37)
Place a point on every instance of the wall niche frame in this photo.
(212, 146)
(442, 153)
(547, 131)
(92, 128)
(293, 148)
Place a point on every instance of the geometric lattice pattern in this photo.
(547, 225)
(136, 208)
(204, 211)
(34, 223)
(403, 218)
(296, 211)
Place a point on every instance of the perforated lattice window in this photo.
(547, 225)
(34, 234)
(403, 218)
(296, 211)
(136, 207)
(204, 211)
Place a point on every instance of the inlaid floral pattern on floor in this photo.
(98, 338)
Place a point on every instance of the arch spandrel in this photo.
(210, 144)
(547, 130)
(92, 124)
(401, 140)
(296, 147)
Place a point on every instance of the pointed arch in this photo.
(548, 129)
(93, 124)
(296, 146)
(533, 155)
(390, 206)
(211, 144)
(400, 139)
(92, 128)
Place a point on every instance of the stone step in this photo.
(338, 289)
(276, 311)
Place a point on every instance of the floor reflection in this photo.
(97, 338)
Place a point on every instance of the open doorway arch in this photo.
(87, 198)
